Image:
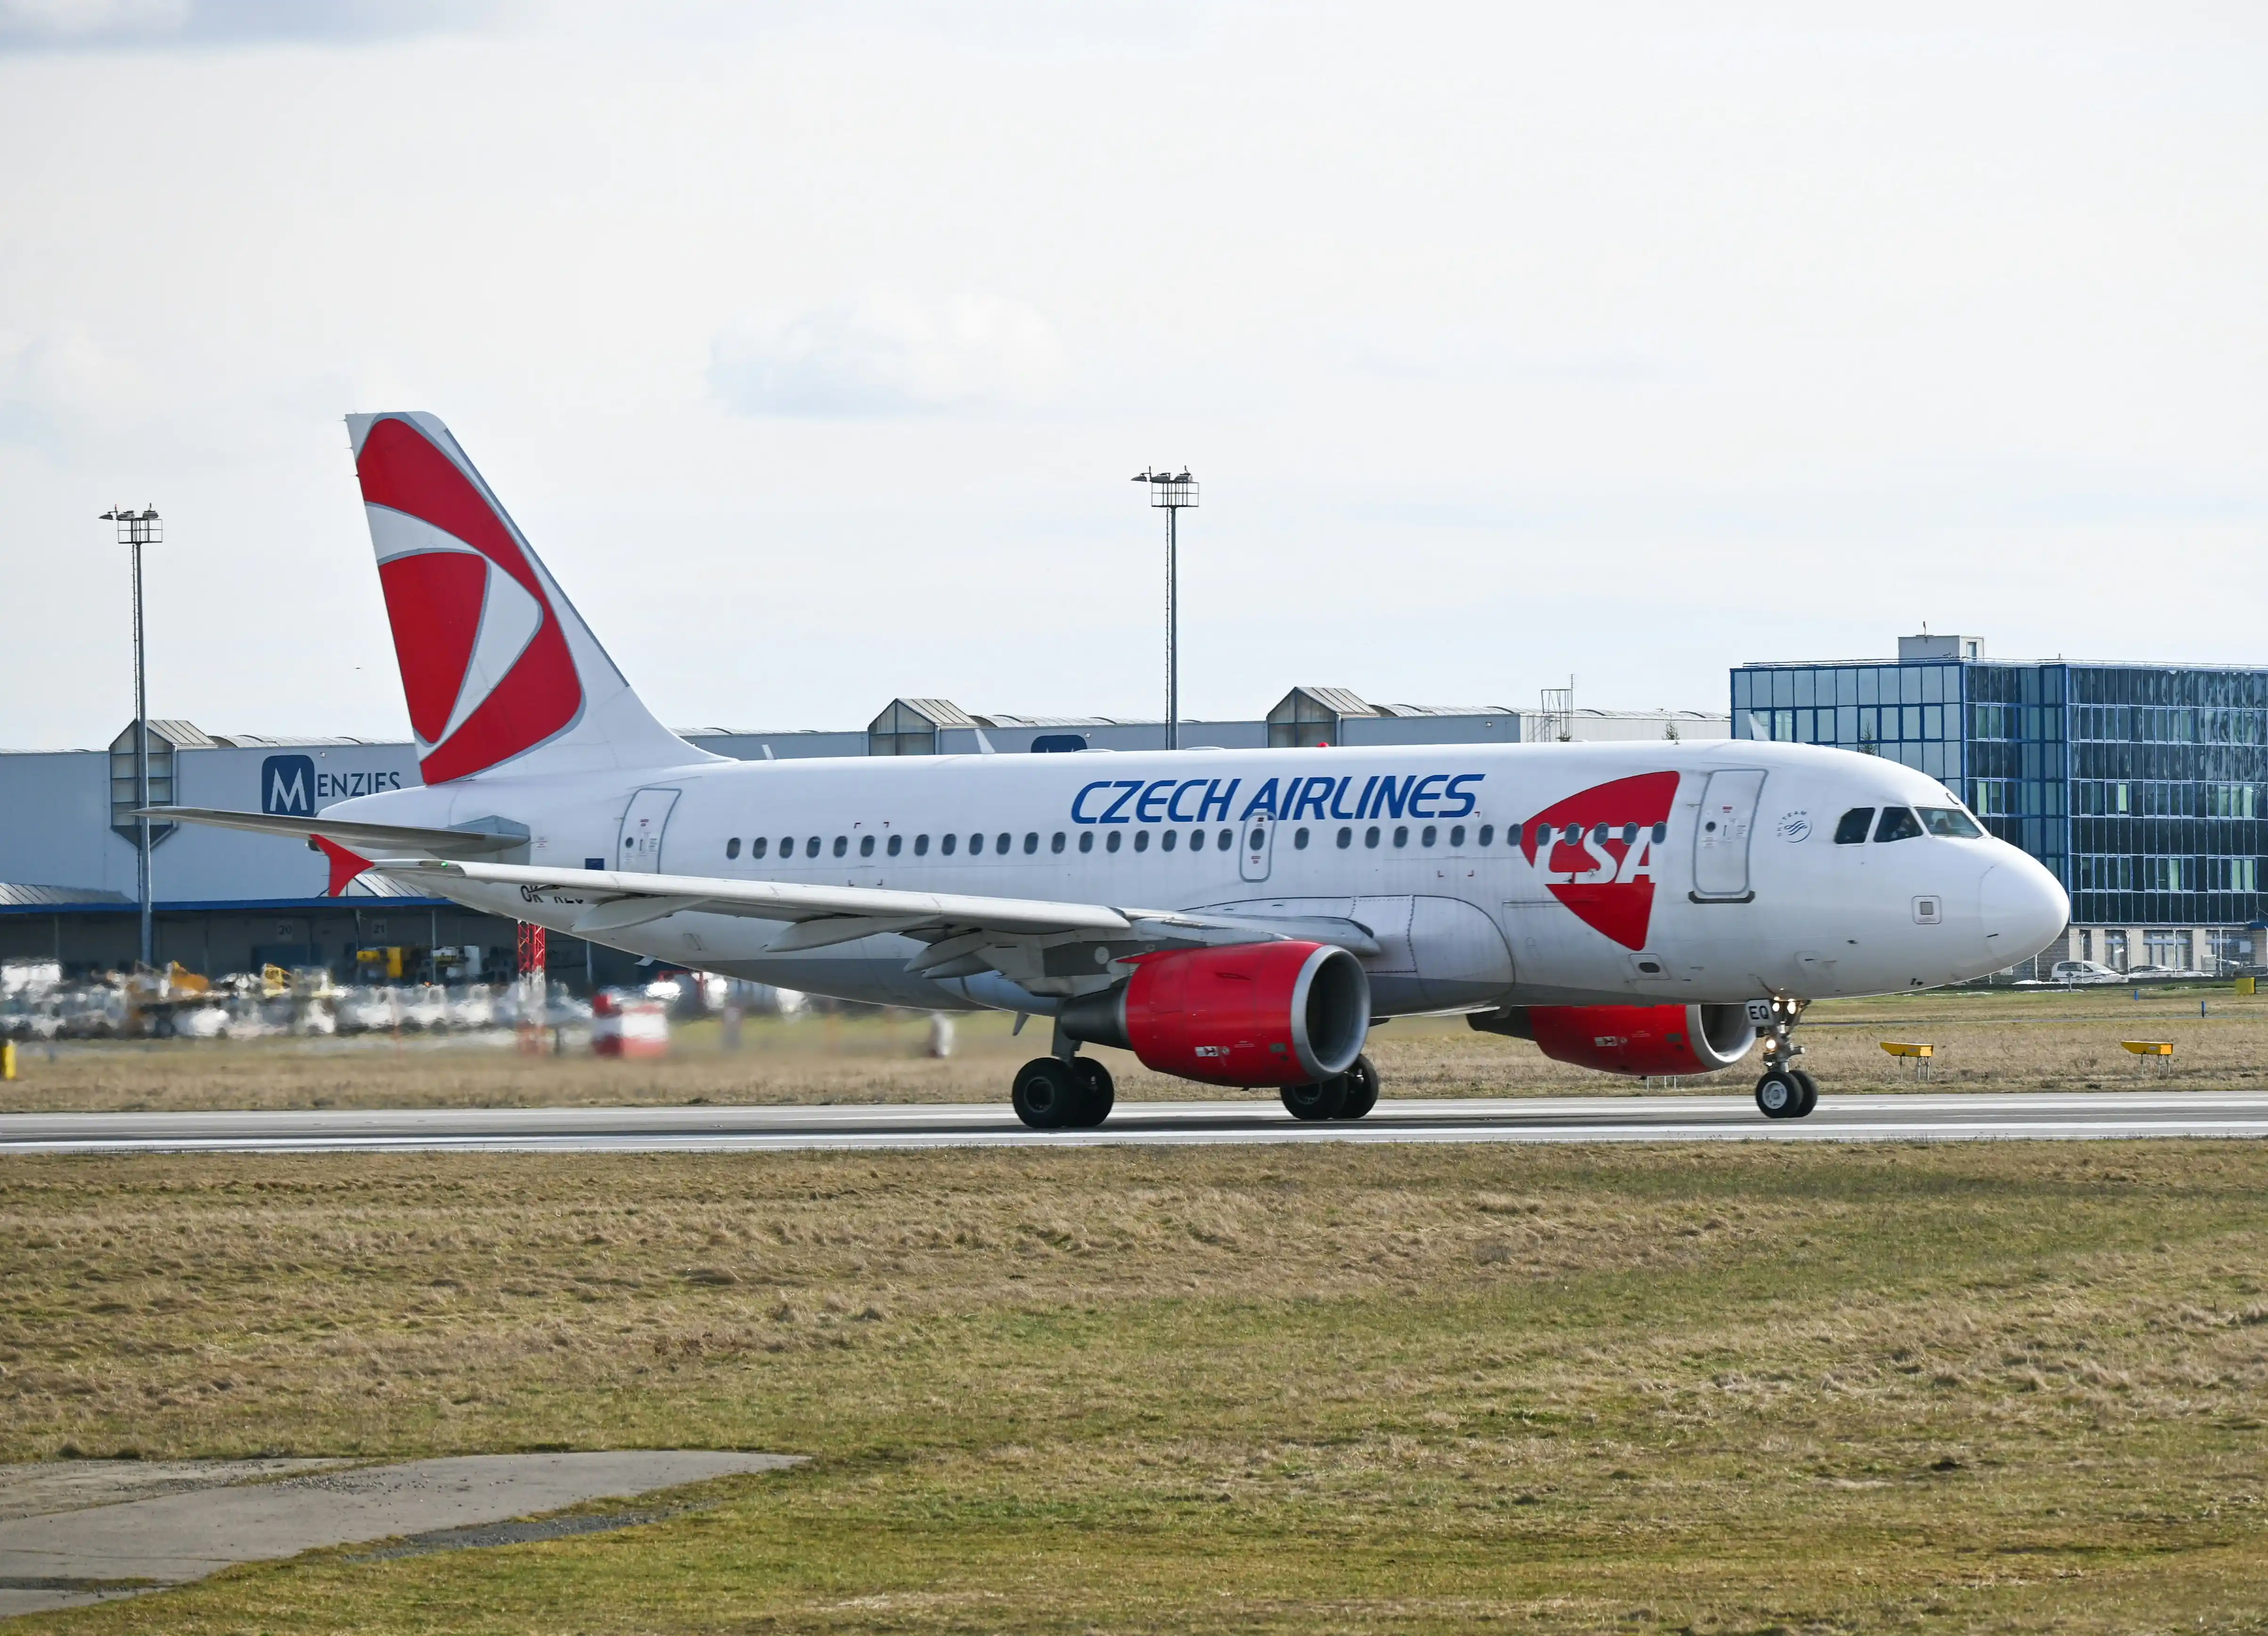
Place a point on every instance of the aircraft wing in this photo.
(966, 933)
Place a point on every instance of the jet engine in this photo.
(1631, 1039)
(1251, 1014)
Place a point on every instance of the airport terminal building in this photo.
(228, 901)
(2139, 785)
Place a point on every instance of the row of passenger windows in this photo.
(1198, 839)
(1903, 824)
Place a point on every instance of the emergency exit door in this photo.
(639, 848)
(1259, 836)
(1721, 832)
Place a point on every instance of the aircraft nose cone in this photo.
(2022, 908)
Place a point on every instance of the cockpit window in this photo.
(1897, 824)
(1949, 821)
(1853, 829)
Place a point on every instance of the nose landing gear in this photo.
(1786, 1091)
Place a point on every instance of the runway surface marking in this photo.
(2093, 1115)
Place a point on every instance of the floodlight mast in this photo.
(1170, 493)
(138, 529)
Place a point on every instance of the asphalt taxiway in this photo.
(1921, 1117)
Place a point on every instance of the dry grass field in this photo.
(2011, 1387)
(2001, 1041)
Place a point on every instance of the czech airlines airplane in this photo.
(1238, 918)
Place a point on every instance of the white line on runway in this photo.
(2099, 1116)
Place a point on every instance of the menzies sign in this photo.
(293, 787)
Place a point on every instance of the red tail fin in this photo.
(498, 669)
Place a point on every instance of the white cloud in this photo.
(888, 354)
(143, 23)
(62, 382)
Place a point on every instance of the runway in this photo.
(2091, 1116)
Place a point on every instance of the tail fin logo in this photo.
(485, 662)
(1599, 854)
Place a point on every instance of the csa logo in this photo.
(1597, 852)
(287, 786)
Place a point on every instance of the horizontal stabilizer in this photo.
(366, 839)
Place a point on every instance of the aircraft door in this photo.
(1259, 841)
(1721, 832)
(638, 849)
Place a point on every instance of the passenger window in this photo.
(1171, 839)
(1056, 845)
(1196, 841)
(732, 848)
(1425, 836)
(811, 847)
(842, 845)
(1141, 840)
(1897, 824)
(1456, 834)
(1401, 835)
(1346, 837)
(897, 845)
(1853, 829)
(866, 846)
(1370, 836)
(1488, 834)
(1111, 845)
(1086, 840)
(759, 845)
(1031, 841)
(921, 845)
(1660, 833)
(1226, 841)
(1000, 843)
(1630, 834)
(1300, 840)
(976, 846)
(1949, 821)
(787, 845)
(947, 844)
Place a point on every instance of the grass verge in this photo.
(1720, 1389)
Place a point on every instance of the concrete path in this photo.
(1922, 1116)
(79, 1551)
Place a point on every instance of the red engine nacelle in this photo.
(1632, 1039)
(1252, 1014)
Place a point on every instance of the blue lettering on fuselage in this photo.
(1166, 800)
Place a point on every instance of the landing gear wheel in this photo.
(1096, 1093)
(1047, 1093)
(1778, 1096)
(1362, 1089)
(1810, 1086)
(1320, 1101)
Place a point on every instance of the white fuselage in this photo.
(1694, 873)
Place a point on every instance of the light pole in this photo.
(1171, 494)
(138, 529)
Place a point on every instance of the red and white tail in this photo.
(500, 671)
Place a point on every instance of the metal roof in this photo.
(27, 895)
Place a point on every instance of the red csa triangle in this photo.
(1621, 910)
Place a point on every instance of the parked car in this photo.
(2082, 971)
(2154, 970)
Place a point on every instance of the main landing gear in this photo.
(1349, 1096)
(1786, 1091)
(1054, 1094)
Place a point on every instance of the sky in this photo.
(814, 346)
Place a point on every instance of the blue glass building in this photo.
(2138, 784)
